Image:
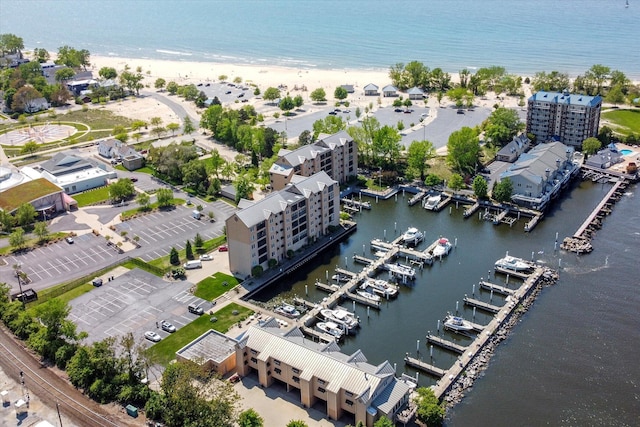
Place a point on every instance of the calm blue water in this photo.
(523, 36)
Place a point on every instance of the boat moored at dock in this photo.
(401, 270)
(513, 263)
(342, 317)
(443, 247)
(457, 323)
(412, 236)
(287, 310)
(381, 287)
(364, 293)
(331, 328)
(431, 203)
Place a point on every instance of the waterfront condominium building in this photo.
(336, 154)
(284, 220)
(320, 373)
(565, 117)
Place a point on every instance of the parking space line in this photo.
(71, 262)
(52, 266)
(81, 259)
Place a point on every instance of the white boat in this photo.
(412, 236)
(331, 328)
(364, 293)
(512, 263)
(401, 270)
(380, 245)
(287, 310)
(442, 248)
(432, 202)
(340, 278)
(457, 323)
(342, 317)
(381, 288)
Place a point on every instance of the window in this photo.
(321, 390)
(348, 393)
(321, 382)
(296, 379)
(254, 360)
(296, 371)
(349, 402)
(254, 352)
(276, 362)
(278, 371)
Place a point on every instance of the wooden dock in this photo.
(362, 260)
(444, 202)
(513, 273)
(327, 288)
(471, 210)
(318, 335)
(423, 366)
(500, 217)
(447, 345)
(345, 272)
(355, 204)
(482, 305)
(531, 224)
(496, 288)
(361, 300)
(417, 198)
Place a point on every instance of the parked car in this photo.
(223, 248)
(195, 309)
(228, 92)
(206, 257)
(333, 113)
(166, 326)
(69, 239)
(152, 336)
(241, 95)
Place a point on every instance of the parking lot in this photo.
(60, 261)
(159, 231)
(134, 302)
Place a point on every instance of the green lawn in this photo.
(91, 197)
(164, 263)
(165, 351)
(214, 286)
(624, 121)
(76, 292)
(131, 212)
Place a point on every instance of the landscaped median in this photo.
(165, 351)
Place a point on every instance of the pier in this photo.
(481, 305)
(358, 205)
(327, 288)
(362, 300)
(417, 198)
(471, 210)
(318, 335)
(423, 366)
(514, 273)
(496, 288)
(447, 345)
(362, 260)
(604, 208)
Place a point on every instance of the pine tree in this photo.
(174, 258)
(189, 250)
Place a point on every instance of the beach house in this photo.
(415, 93)
(389, 91)
(371, 90)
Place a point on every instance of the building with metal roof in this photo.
(336, 154)
(321, 372)
(74, 174)
(275, 227)
(212, 350)
(565, 117)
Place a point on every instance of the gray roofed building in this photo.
(321, 372)
(389, 90)
(348, 88)
(212, 350)
(75, 174)
(605, 158)
(415, 93)
(513, 150)
(371, 90)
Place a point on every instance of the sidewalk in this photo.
(91, 220)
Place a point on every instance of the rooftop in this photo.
(27, 192)
(211, 345)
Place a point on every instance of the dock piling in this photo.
(455, 242)
(306, 289)
(450, 209)
(473, 290)
(438, 326)
(474, 313)
(457, 306)
(532, 255)
(368, 310)
(418, 346)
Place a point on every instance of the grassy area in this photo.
(624, 121)
(164, 263)
(92, 197)
(33, 243)
(96, 118)
(439, 167)
(214, 286)
(165, 351)
(153, 206)
(76, 292)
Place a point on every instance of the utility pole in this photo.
(59, 417)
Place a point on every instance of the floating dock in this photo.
(318, 335)
(481, 305)
(514, 273)
(358, 205)
(362, 260)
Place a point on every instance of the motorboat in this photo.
(287, 310)
(343, 278)
(432, 202)
(342, 317)
(364, 293)
(442, 248)
(512, 263)
(331, 328)
(412, 236)
(381, 287)
(457, 323)
(401, 270)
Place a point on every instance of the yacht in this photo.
(331, 328)
(442, 248)
(381, 287)
(401, 270)
(412, 236)
(512, 263)
(287, 310)
(342, 317)
(432, 202)
(364, 293)
(457, 323)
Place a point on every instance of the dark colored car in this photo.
(195, 309)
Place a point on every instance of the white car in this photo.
(152, 336)
(206, 257)
(166, 326)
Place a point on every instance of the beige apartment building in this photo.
(564, 117)
(319, 372)
(336, 154)
(283, 221)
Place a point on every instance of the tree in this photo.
(23, 99)
(456, 182)
(480, 187)
(6, 220)
(160, 83)
(463, 150)
(164, 197)
(286, 104)
(132, 81)
(298, 101)
(384, 422)
(173, 127)
(73, 58)
(143, 200)
(30, 147)
(244, 187)
(318, 95)
(59, 95)
(172, 88)
(188, 250)
(305, 138)
(250, 418)
(615, 95)
(108, 73)
(271, 94)
(503, 190)
(597, 74)
(297, 423)
(17, 238)
(121, 189)
(174, 258)
(10, 43)
(591, 146)
(198, 241)
(386, 145)
(25, 214)
(555, 81)
(502, 125)
(418, 154)
(41, 54)
(187, 126)
(330, 125)
(605, 134)
(429, 411)
(340, 93)
(40, 230)
(64, 74)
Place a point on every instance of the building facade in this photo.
(319, 372)
(284, 221)
(568, 118)
(337, 155)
